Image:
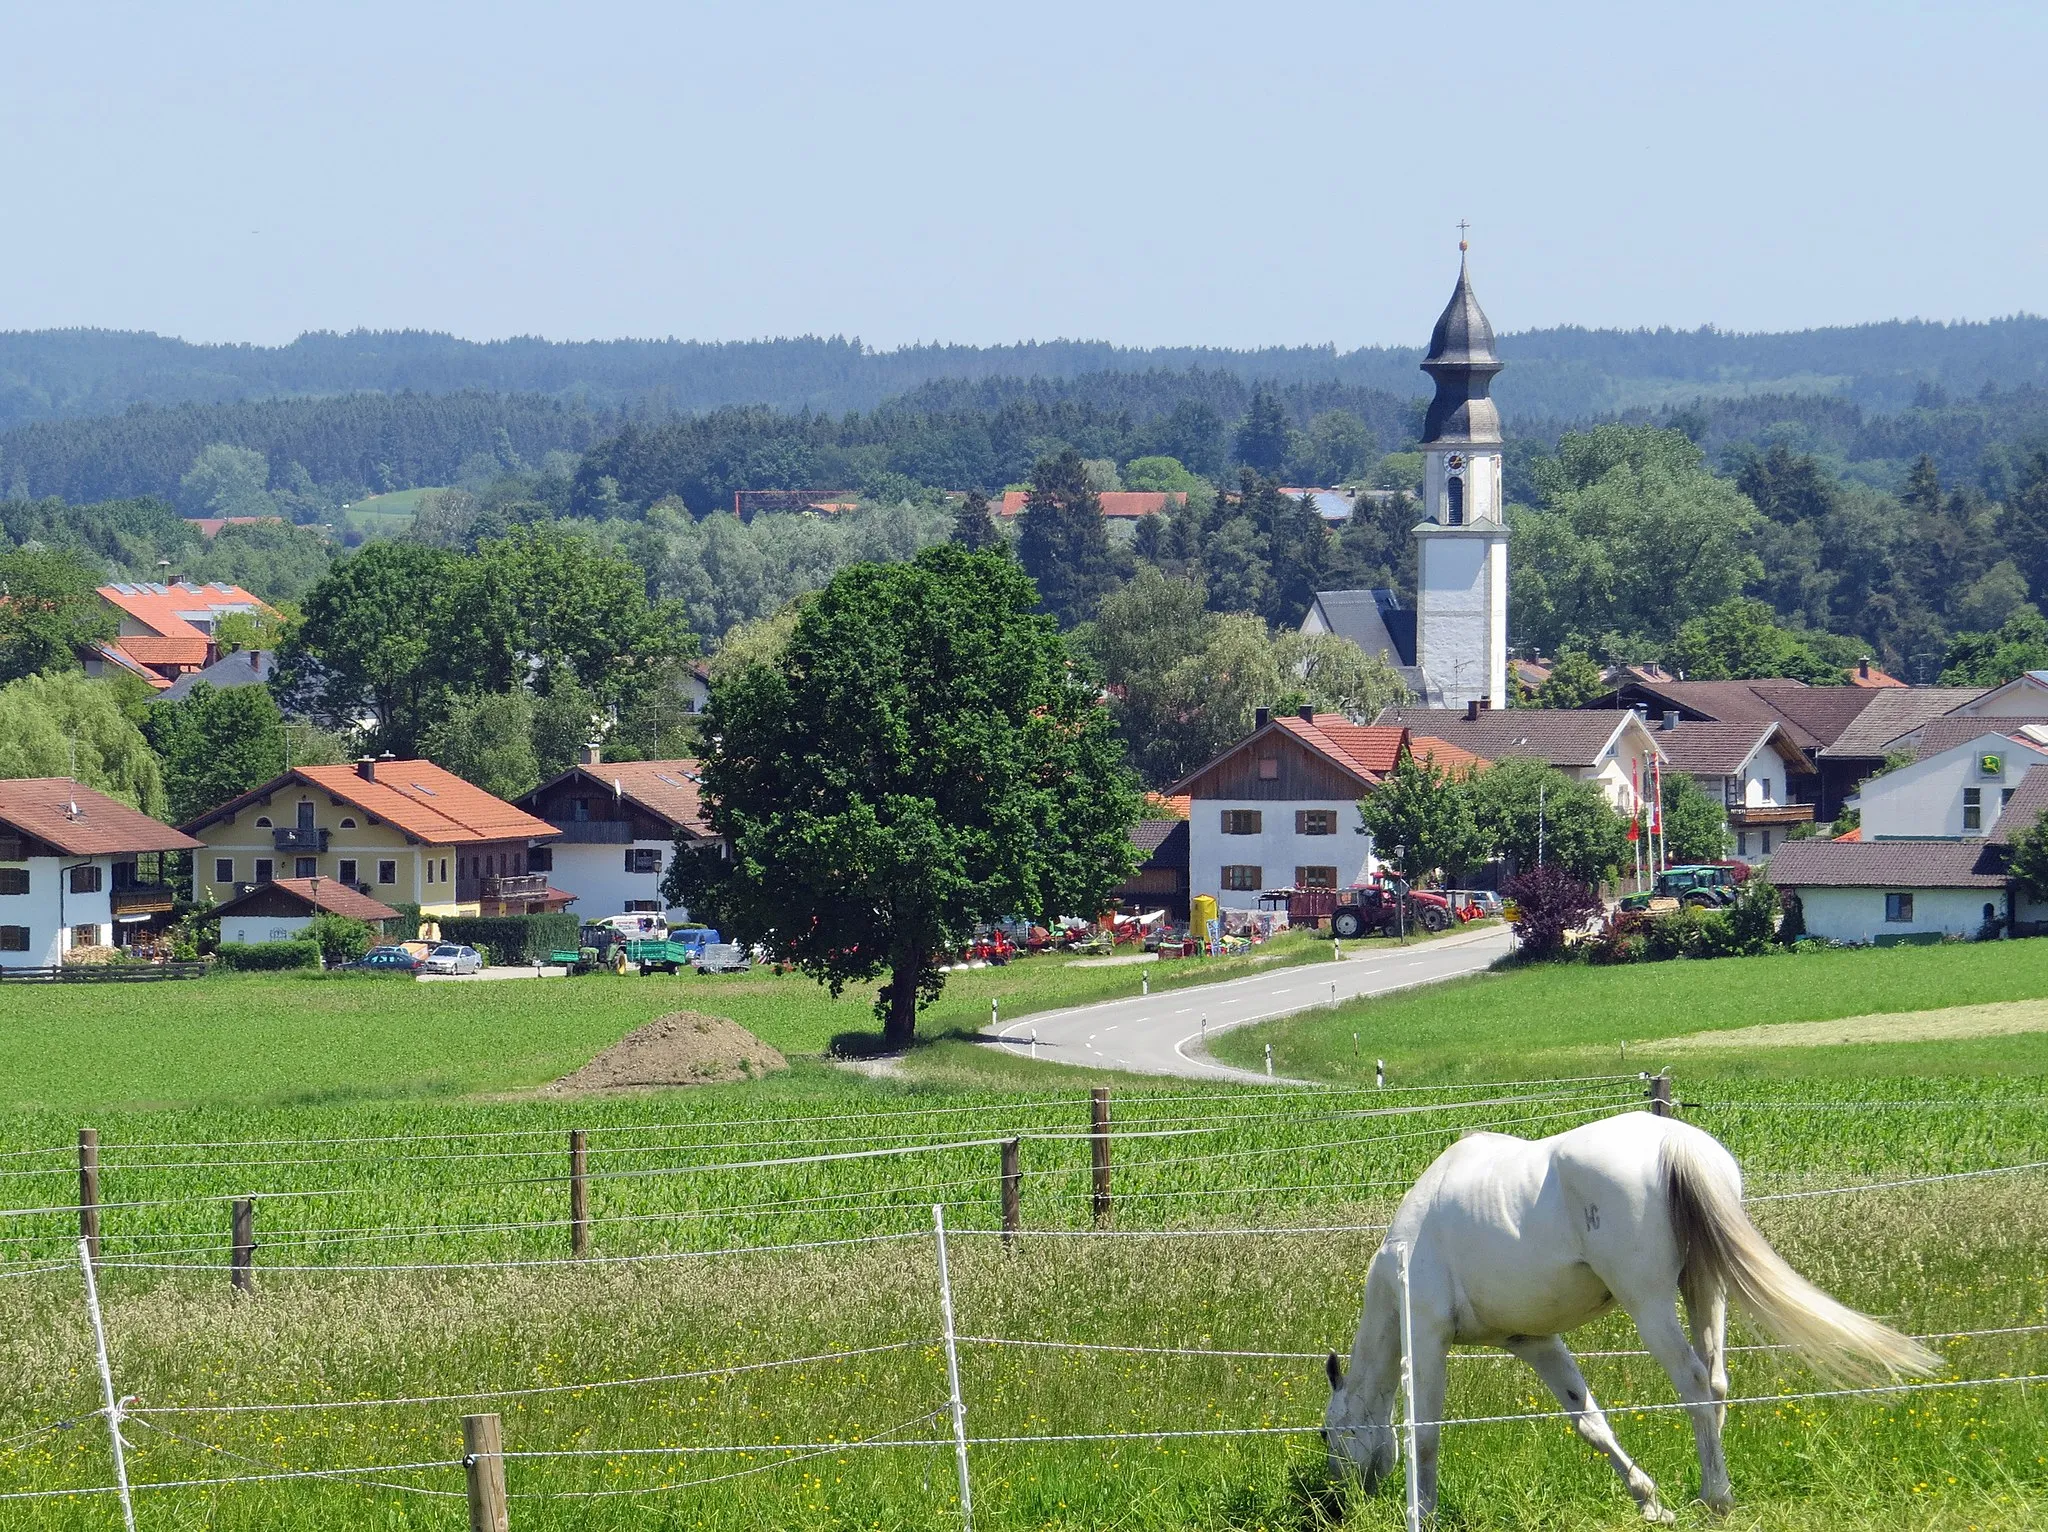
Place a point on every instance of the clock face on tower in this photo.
(1456, 461)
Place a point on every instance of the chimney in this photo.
(593, 753)
(1671, 718)
(1261, 716)
(1863, 668)
(255, 659)
(1306, 712)
(366, 768)
(1472, 710)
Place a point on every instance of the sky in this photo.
(1143, 173)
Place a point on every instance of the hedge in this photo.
(512, 938)
(258, 957)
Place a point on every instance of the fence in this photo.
(491, 1473)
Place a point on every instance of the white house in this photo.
(1279, 809)
(617, 824)
(1956, 792)
(1883, 891)
(280, 910)
(1616, 750)
(1746, 767)
(77, 869)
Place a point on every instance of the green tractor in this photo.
(1709, 885)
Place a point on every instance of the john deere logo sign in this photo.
(1991, 765)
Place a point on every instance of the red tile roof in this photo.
(1125, 503)
(330, 894)
(41, 806)
(114, 654)
(1867, 674)
(154, 649)
(432, 806)
(165, 609)
(1443, 754)
(1369, 749)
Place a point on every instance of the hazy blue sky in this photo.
(1145, 173)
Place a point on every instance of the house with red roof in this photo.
(166, 631)
(1117, 504)
(1279, 808)
(281, 910)
(615, 826)
(77, 869)
(401, 832)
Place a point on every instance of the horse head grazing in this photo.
(1358, 1429)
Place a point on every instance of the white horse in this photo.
(1512, 1242)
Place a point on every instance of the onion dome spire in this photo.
(1462, 361)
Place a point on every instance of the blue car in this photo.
(387, 960)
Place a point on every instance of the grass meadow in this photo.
(406, 1139)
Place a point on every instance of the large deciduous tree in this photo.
(369, 644)
(1535, 814)
(64, 725)
(920, 756)
(215, 743)
(1420, 818)
(48, 611)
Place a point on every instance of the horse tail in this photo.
(1718, 1245)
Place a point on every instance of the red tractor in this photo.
(1388, 906)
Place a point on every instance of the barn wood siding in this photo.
(1303, 774)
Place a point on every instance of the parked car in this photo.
(387, 960)
(450, 958)
(723, 957)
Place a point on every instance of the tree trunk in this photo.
(901, 1026)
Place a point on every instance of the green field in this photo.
(386, 515)
(393, 1131)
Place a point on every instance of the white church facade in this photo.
(1452, 649)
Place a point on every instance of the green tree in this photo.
(49, 609)
(973, 527)
(215, 743)
(1262, 440)
(486, 738)
(1337, 448)
(1991, 659)
(1695, 826)
(1574, 681)
(1064, 545)
(229, 481)
(1160, 473)
(63, 725)
(1534, 814)
(1740, 640)
(1334, 675)
(370, 645)
(986, 781)
(1422, 816)
(1634, 536)
(341, 939)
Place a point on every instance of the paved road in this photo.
(1162, 1034)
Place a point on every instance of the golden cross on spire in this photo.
(1462, 227)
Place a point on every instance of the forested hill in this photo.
(1566, 373)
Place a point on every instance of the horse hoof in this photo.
(1720, 1505)
(1657, 1516)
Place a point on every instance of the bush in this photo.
(513, 938)
(1686, 932)
(1792, 930)
(1753, 917)
(265, 957)
(1550, 902)
(339, 938)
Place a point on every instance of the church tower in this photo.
(1461, 578)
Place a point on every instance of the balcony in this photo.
(144, 899)
(522, 885)
(1762, 816)
(299, 838)
(594, 832)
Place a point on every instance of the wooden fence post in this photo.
(242, 1239)
(89, 1191)
(1660, 1095)
(1013, 1188)
(483, 1462)
(1098, 1148)
(579, 1194)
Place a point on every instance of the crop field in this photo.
(754, 1336)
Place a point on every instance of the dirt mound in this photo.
(685, 1048)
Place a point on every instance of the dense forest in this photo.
(1566, 373)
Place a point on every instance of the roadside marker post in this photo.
(1269, 1061)
(1379, 1073)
